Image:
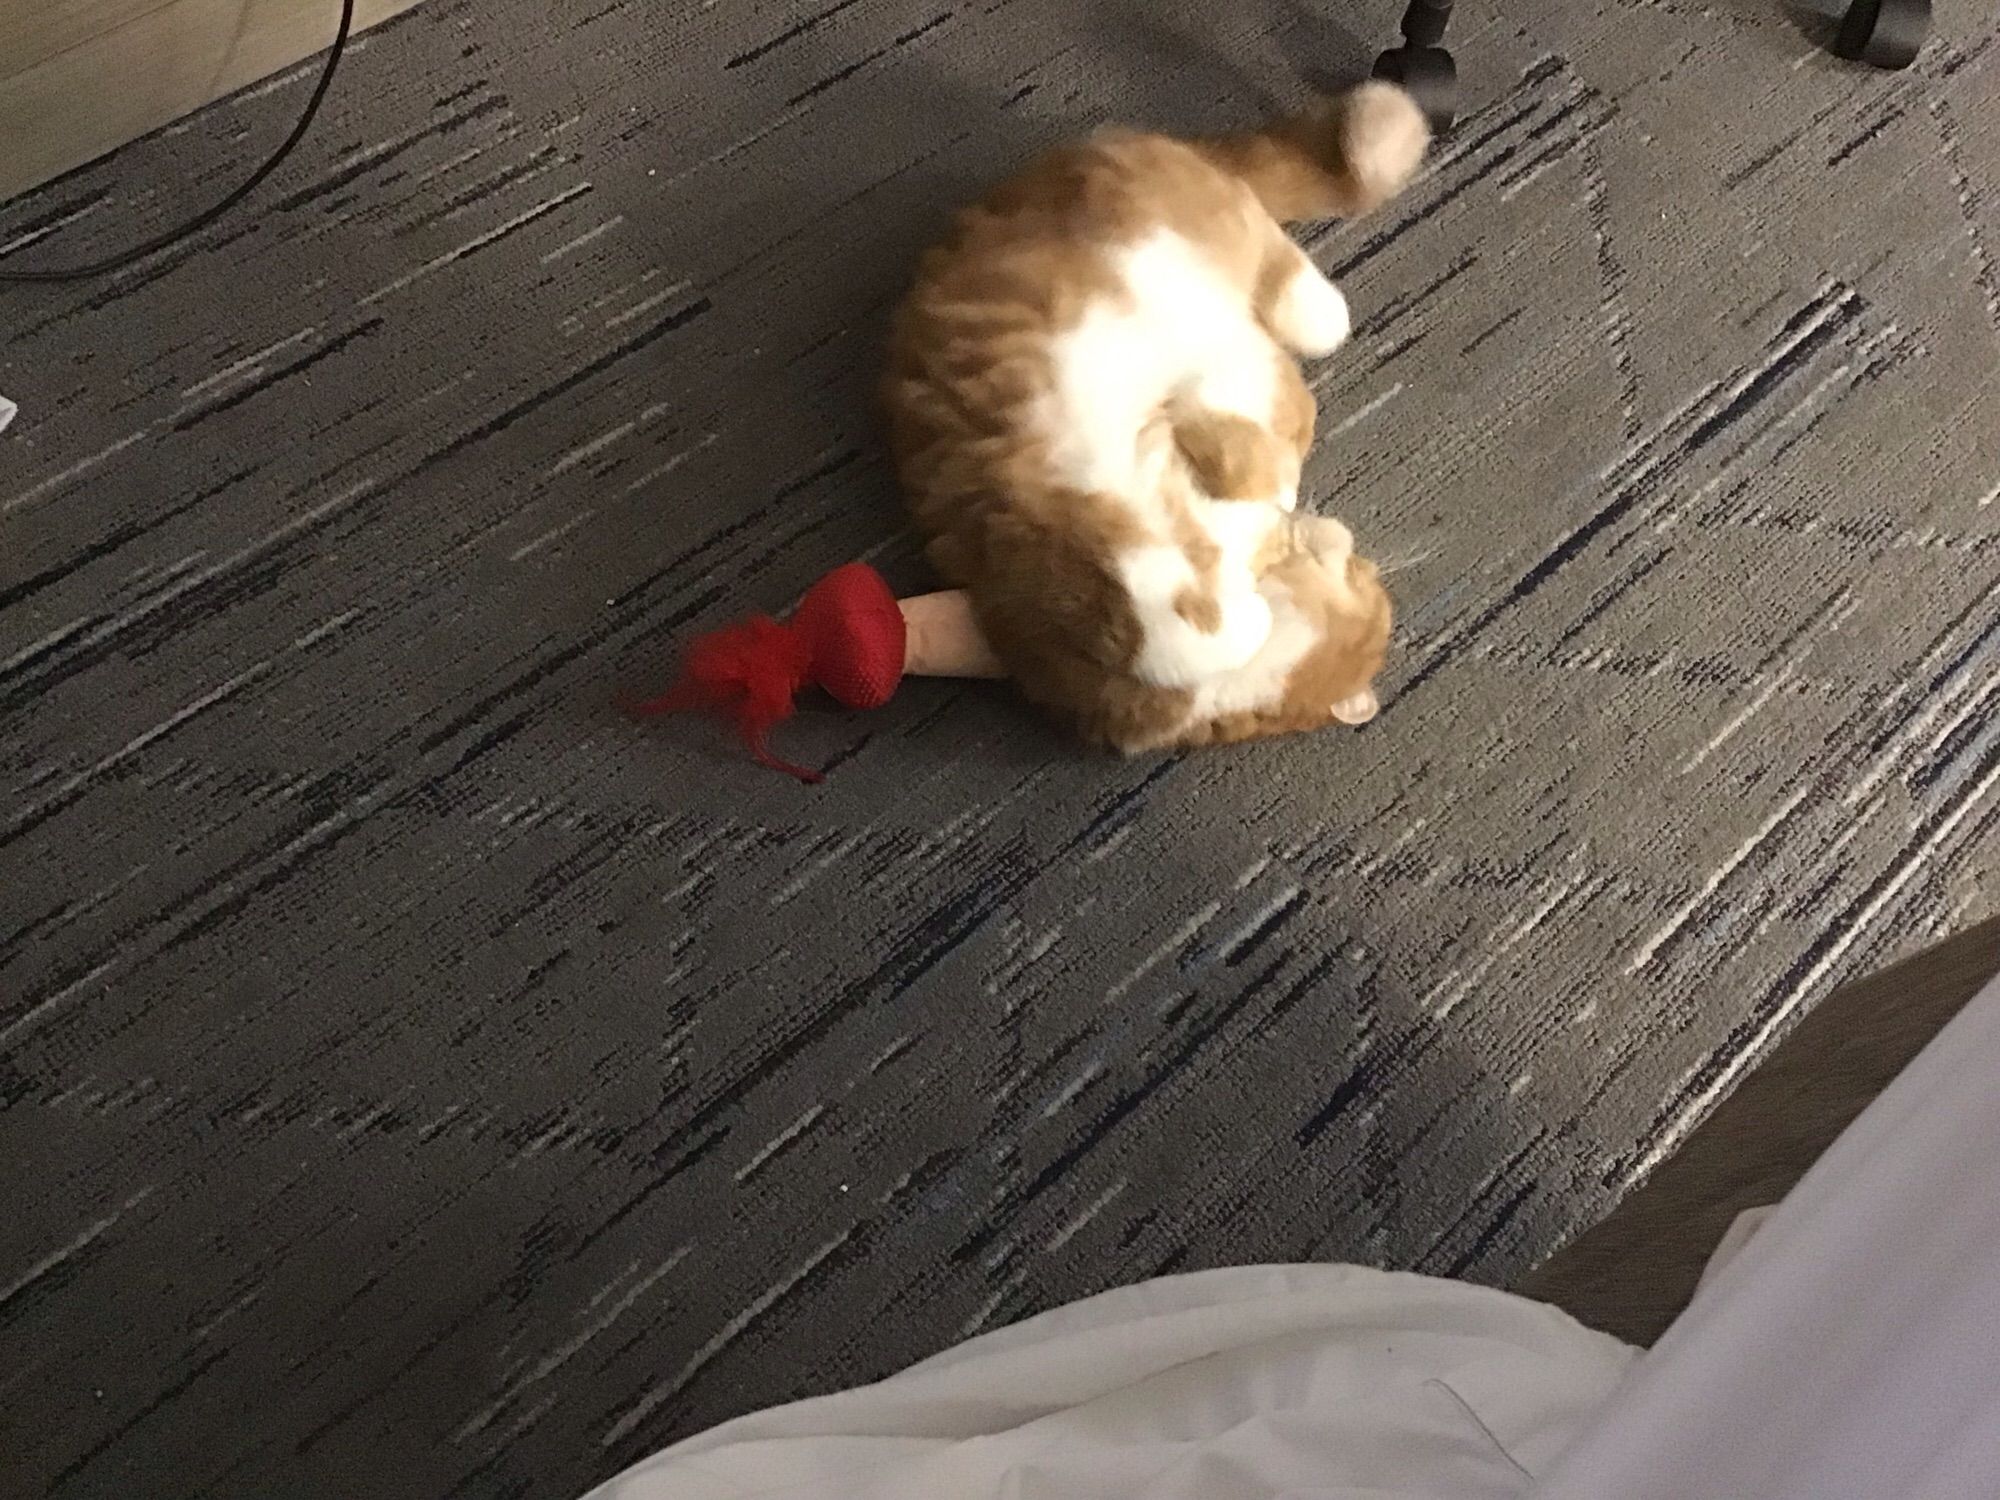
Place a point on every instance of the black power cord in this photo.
(210, 215)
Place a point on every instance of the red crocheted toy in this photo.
(850, 635)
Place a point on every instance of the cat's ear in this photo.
(1357, 708)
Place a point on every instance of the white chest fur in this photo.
(1181, 331)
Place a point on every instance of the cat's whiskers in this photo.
(1385, 567)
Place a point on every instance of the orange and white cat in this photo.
(1099, 420)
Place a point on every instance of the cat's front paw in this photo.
(1311, 315)
(1326, 539)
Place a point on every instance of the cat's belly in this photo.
(1182, 331)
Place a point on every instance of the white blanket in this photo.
(1329, 1382)
(1849, 1350)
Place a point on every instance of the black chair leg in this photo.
(1421, 64)
(1884, 33)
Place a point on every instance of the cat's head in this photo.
(1335, 682)
(1329, 643)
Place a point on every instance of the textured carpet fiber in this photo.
(418, 1082)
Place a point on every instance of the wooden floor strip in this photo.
(79, 78)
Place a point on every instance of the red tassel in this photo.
(846, 636)
(748, 672)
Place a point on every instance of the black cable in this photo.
(209, 216)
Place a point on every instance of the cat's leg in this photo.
(1197, 602)
(1189, 635)
(1232, 455)
(1293, 413)
(1294, 299)
(1190, 631)
(1228, 455)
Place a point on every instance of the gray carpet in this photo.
(418, 1082)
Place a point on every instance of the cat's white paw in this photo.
(1246, 625)
(1327, 539)
(1181, 653)
(1310, 315)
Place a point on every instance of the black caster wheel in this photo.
(1884, 33)
(1430, 76)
